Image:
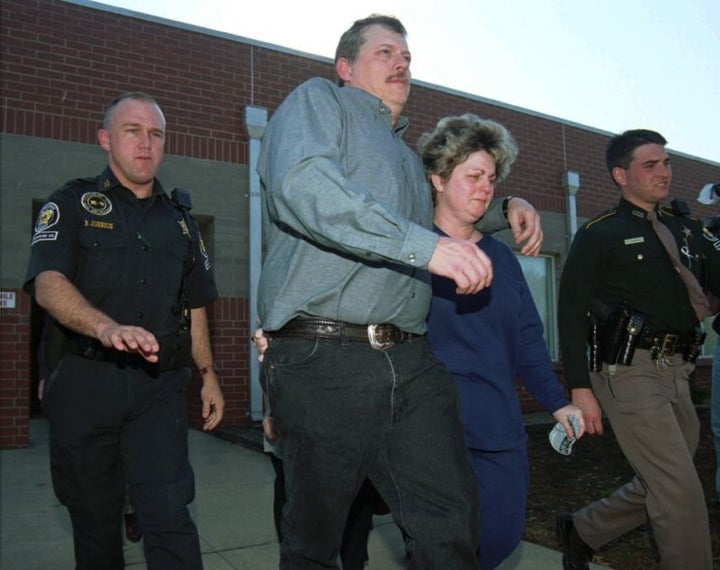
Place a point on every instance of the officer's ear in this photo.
(619, 175)
(104, 139)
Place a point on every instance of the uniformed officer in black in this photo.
(123, 272)
(618, 271)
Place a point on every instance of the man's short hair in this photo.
(135, 96)
(351, 41)
(620, 148)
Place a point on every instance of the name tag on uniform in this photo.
(632, 241)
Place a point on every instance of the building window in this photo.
(711, 340)
(540, 275)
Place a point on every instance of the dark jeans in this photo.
(344, 412)
(353, 549)
(105, 422)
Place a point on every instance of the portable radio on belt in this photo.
(182, 201)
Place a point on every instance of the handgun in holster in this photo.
(614, 334)
(694, 347)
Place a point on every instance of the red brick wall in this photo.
(547, 148)
(228, 319)
(14, 372)
(62, 63)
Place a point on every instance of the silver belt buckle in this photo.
(372, 331)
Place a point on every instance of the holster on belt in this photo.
(694, 346)
(614, 334)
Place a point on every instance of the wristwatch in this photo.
(205, 369)
(506, 205)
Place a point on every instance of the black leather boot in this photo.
(576, 554)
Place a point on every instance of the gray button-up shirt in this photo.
(347, 213)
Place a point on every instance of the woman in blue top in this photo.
(489, 338)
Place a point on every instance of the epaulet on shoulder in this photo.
(76, 182)
(601, 217)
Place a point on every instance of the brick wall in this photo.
(229, 320)
(14, 372)
(63, 62)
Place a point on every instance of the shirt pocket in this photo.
(102, 265)
(639, 257)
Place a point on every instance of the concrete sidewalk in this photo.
(232, 509)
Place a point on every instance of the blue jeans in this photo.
(343, 412)
(715, 414)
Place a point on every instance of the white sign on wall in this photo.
(7, 299)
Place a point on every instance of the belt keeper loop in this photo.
(343, 334)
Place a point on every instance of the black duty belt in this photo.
(380, 337)
(664, 343)
(93, 350)
(173, 355)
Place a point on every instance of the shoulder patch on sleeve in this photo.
(204, 253)
(48, 217)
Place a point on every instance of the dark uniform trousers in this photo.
(107, 420)
(654, 420)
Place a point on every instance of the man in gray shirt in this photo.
(352, 384)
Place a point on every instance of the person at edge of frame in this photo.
(122, 270)
(710, 196)
(343, 297)
(620, 289)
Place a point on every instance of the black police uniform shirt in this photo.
(126, 256)
(617, 257)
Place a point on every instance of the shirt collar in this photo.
(107, 181)
(379, 108)
(633, 210)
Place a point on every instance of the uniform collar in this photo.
(107, 181)
(633, 210)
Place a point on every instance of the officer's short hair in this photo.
(134, 95)
(620, 149)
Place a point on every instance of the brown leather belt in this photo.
(379, 336)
